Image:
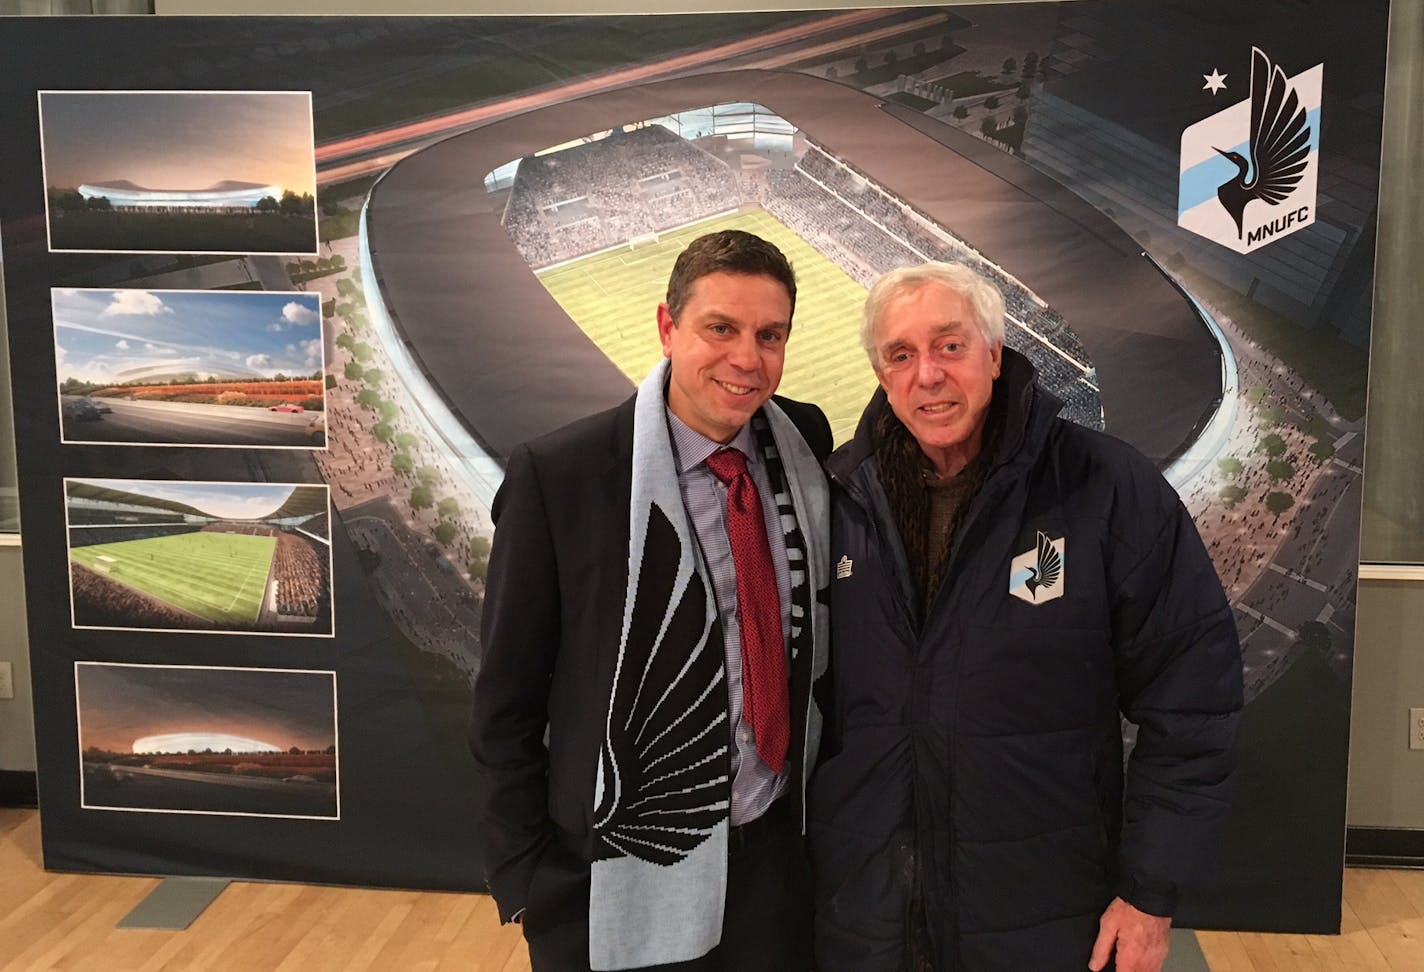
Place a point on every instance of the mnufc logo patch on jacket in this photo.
(1037, 575)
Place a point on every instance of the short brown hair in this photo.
(728, 251)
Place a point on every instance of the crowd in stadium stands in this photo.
(315, 525)
(841, 209)
(1081, 403)
(905, 223)
(80, 515)
(247, 529)
(601, 194)
(820, 218)
(89, 536)
(301, 576)
(99, 601)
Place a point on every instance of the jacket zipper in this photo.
(890, 537)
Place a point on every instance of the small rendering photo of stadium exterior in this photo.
(223, 368)
(211, 740)
(218, 558)
(179, 171)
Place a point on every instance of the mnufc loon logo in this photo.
(1248, 173)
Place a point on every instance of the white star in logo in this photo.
(1215, 81)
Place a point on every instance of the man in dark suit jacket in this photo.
(643, 719)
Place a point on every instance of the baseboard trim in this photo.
(1384, 847)
(18, 788)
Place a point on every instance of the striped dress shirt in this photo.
(704, 496)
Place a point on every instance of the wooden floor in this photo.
(67, 922)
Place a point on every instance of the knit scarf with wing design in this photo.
(659, 873)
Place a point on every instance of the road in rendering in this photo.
(376, 151)
(185, 423)
(152, 788)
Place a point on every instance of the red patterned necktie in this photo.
(764, 685)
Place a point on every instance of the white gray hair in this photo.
(981, 294)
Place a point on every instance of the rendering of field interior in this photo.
(219, 577)
(613, 295)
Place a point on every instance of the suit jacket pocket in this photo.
(558, 892)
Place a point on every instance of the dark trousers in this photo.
(766, 924)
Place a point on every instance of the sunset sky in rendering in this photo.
(177, 140)
(120, 705)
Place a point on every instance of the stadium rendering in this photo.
(221, 197)
(141, 558)
(850, 186)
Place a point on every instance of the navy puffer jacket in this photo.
(977, 751)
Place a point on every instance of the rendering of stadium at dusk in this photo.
(179, 171)
(229, 194)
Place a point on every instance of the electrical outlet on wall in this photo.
(7, 680)
(1416, 728)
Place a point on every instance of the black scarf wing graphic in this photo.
(664, 763)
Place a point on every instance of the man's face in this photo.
(938, 371)
(727, 348)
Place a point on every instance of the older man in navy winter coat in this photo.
(1007, 585)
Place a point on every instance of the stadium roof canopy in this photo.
(487, 333)
(304, 501)
(77, 489)
(227, 194)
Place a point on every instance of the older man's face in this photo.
(938, 371)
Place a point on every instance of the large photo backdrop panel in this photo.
(249, 660)
(498, 203)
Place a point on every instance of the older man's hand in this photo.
(1139, 939)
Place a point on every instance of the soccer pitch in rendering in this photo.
(613, 297)
(220, 577)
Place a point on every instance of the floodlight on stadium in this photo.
(227, 194)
